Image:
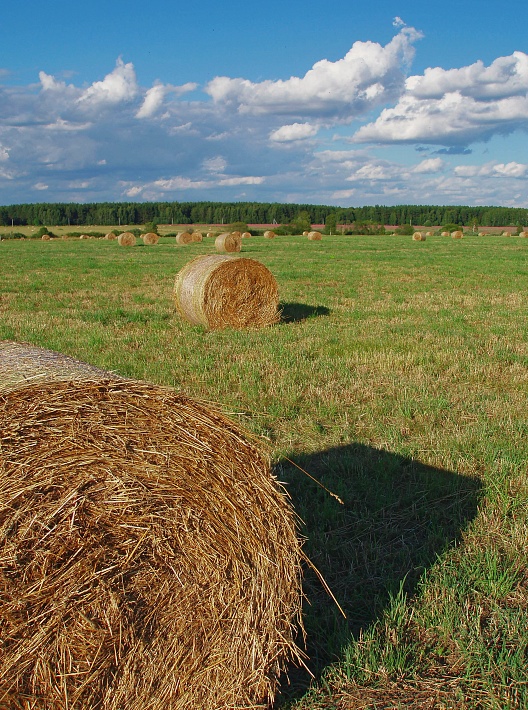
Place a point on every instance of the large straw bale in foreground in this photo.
(228, 242)
(150, 238)
(149, 560)
(126, 239)
(223, 291)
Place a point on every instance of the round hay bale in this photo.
(221, 291)
(184, 238)
(269, 234)
(150, 559)
(127, 239)
(229, 241)
(150, 238)
(458, 234)
(210, 235)
(418, 237)
(110, 236)
(523, 234)
(305, 234)
(445, 234)
(482, 234)
(46, 237)
(246, 235)
(314, 236)
(428, 234)
(506, 234)
(196, 237)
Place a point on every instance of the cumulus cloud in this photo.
(367, 76)
(155, 96)
(430, 165)
(457, 106)
(508, 170)
(293, 132)
(117, 86)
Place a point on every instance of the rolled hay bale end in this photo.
(418, 237)
(196, 237)
(506, 234)
(314, 236)
(169, 574)
(110, 236)
(46, 238)
(222, 291)
(269, 234)
(428, 234)
(228, 242)
(150, 238)
(523, 234)
(246, 235)
(126, 239)
(184, 238)
(445, 234)
(482, 234)
(458, 234)
(305, 234)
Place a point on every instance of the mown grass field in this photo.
(398, 378)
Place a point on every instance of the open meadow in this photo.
(398, 379)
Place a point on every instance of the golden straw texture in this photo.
(184, 238)
(228, 242)
(197, 237)
(223, 291)
(419, 237)
(150, 238)
(458, 234)
(269, 234)
(149, 559)
(314, 236)
(126, 239)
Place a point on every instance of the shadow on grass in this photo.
(300, 311)
(397, 516)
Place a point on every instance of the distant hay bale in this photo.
(150, 559)
(84, 236)
(46, 237)
(196, 237)
(245, 235)
(418, 237)
(228, 242)
(269, 234)
(210, 235)
(110, 236)
(305, 234)
(445, 234)
(524, 234)
(458, 234)
(428, 234)
(127, 239)
(314, 236)
(482, 234)
(184, 238)
(506, 234)
(222, 291)
(64, 236)
(150, 238)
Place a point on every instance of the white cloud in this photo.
(429, 165)
(41, 186)
(118, 86)
(155, 96)
(215, 165)
(508, 170)
(293, 132)
(368, 75)
(457, 106)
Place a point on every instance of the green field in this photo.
(398, 378)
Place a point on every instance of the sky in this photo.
(340, 103)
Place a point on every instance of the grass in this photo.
(397, 379)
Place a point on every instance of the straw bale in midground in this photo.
(314, 236)
(223, 291)
(228, 241)
(126, 239)
(150, 238)
(418, 237)
(184, 238)
(149, 559)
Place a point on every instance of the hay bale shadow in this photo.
(294, 312)
(398, 516)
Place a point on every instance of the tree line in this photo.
(117, 213)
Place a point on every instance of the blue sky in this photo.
(339, 103)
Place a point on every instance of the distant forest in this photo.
(116, 213)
